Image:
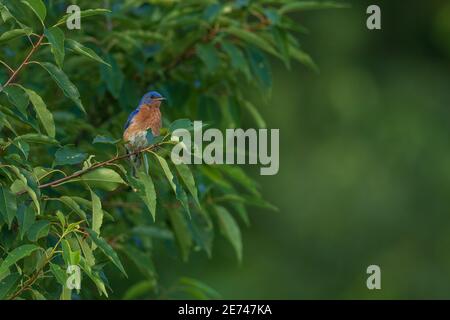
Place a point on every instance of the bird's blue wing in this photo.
(130, 118)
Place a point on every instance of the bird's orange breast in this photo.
(148, 117)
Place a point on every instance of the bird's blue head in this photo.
(151, 98)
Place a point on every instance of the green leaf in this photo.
(70, 257)
(8, 205)
(282, 44)
(181, 230)
(208, 54)
(107, 250)
(142, 260)
(93, 276)
(102, 178)
(238, 61)
(139, 289)
(87, 251)
(61, 218)
(199, 289)
(56, 38)
(16, 255)
(241, 211)
(230, 229)
(59, 273)
(147, 192)
(83, 14)
(84, 51)
(260, 67)
(202, 230)
(8, 284)
(188, 179)
(26, 218)
(310, 5)
(38, 8)
(5, 122)
(42, 112)
(25, 184)
(239, 176)
(12, 34)
(69, 156)
(251, 201)
(36, 138)
(13, 113)
(260, 122)
(167, 171)
(37, 295)
(112, 75)
(212, 12)
(18, 97)
(303, 58)
(181, 196)
(153, 232)
(21, 146)
(61, 79)
(181, 124)
(71, 204)
(66, 293)
(254, 39)
(38, 230)
(97, 213)
(106, 140)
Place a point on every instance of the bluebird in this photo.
(146, 116)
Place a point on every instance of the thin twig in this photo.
(7, 66)
(25, 62)
(27, 284)
(79, 173)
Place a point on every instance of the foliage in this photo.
(67, 195)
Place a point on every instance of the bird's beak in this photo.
(160, 99)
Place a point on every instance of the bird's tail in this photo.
(135, 161)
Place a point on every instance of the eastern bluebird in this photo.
(146, 116)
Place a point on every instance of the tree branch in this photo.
(79, 173)
(24, 62)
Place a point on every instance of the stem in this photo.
(7, 66)
(33, 50)
(35, 276)
(79, 173)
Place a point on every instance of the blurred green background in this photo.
(364, 166)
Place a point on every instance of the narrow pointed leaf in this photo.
(230, 229)
(71, 204)
(181, 231)
(12, 34)
(83, 14)
(167, 172)
(8, 206)
(38, 230)
(38, 8)
(26, 218)
(107, 250)
(8, 284)
(85, 51)
(188, 179)
(56, 38)
(147, 192)
(42, 112)
(16, 255)
(97, 214)
(61, 79)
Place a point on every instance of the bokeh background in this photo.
(364, 167)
